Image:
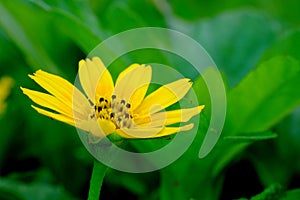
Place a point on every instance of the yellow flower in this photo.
(5, 85)
(106, 108)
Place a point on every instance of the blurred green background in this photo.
(254, 43)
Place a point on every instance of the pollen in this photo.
(115, 110)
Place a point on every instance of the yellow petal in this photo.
(140, 132)
(138, 96)
(107, 126)
(125, 71)
(148, 133)
(169, 117)
(49, 101)
(95, 79)
(164, 96)
(132, 84)
(55, 116)
(172, 130)
(62, 90)
(98, 128)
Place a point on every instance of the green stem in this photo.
(98, 174)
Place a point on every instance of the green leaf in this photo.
(275, 161)
(264, 96)
(122, 15)
(287, 44)
(75, 19)
(284, 10)
(11, 24)
(258, 102)
(262, 90)
(234, 47)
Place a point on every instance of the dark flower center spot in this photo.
(115, 110)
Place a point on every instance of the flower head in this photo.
(104, 107)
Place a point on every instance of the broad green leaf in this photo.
(285, 10)
(123, 15)
(258, 102)
(75, 20)
(10, 23)
(277, 161)
(273, 161)
(264, 96)
(234, 47)
(80, 9)
(288, 44)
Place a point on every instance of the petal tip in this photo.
(187, 127)
(81, 62)
(31, 76)
(201, 108)
(96, 58)
(24, 90)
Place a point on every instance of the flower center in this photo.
(115, 110)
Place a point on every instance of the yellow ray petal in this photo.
(99, 128)
(138, 96)
(55, 116)
(128, 69)
(107, 126)
(172, 130)
(48, 101)
(133, 83)
(139, 132)
(169, 117)
(95, 78)
(140, 92)
(147, 133)
(164, 96)
(62, 89)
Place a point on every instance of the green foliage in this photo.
(256, 47)
(39, 188)
(234, 39)
(262, 108)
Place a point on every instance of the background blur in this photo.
(260, 147)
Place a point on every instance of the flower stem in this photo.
(98, 174)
